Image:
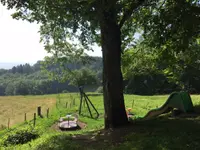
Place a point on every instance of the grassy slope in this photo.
(162, 133)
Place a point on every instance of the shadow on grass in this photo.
(161, 133)
(164, 134)
(197, 109)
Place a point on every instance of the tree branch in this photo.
(127, 14)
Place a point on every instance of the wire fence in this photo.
(63, 104)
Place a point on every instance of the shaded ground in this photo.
(161, 133)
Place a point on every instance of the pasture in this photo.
(14, 107)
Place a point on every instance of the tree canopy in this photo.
(171, 26)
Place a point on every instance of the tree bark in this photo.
(115, 114)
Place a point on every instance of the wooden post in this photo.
(34, 119)
(39, 111)
(48, 113)
(8, 123)
(25, 117)
(132, 103)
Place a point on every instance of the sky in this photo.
(19, 40)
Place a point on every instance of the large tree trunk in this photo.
(115, 114)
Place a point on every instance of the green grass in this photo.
(162, 133)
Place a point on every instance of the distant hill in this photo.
(28, 79)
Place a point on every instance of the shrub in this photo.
(21, 137)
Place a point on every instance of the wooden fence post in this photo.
(48, 113)
(39, 111)
(8, 123)
(34, 119)
(132, 103)
(25, 117)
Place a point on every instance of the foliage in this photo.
(37, 82)
(21, 137)
(170, 30)
(70, 69)
(143, 72)
(147, 72)
(139, 60)
(83, 76)
(170, 25)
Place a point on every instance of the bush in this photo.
(100, 89)
(21, 137)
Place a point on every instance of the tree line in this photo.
(25, 79)
(143, 75)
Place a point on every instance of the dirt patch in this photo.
(81, 125)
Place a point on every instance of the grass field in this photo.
(14, 107)
(163, 133)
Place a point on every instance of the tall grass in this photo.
(14, 107)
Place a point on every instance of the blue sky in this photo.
(19, 40)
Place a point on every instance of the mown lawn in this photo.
(164, 133)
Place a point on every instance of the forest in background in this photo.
(25, 79)
(140, 77)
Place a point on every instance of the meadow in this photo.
(160, 133)
(15, 107)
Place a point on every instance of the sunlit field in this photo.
(15, 107)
